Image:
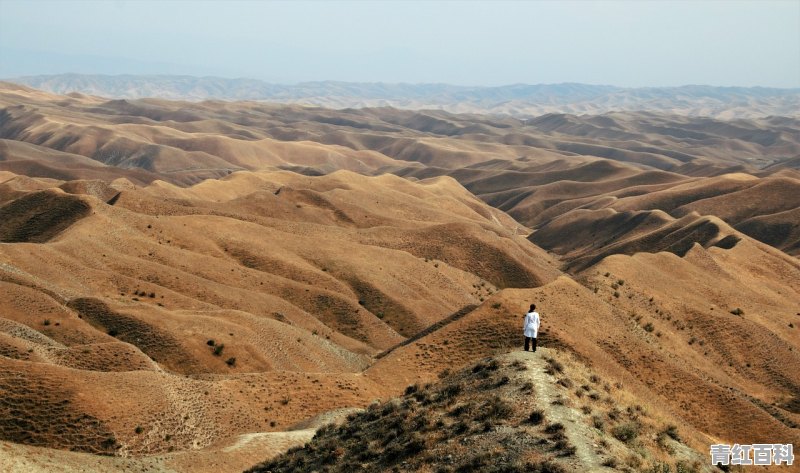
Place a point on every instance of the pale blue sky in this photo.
(655, 43)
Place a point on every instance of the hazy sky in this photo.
(628, 43)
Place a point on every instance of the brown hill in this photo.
(512, 413)
(206, 325)
(534, 169)
(230, 307)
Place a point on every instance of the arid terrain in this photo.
(202, 286)
(520, 100)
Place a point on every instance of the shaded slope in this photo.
(39, 217)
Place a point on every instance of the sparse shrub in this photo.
(460, 427)
(607, 274)
(566, 382)
(555, 365)
(449, 392)
(621, 282)
(218, 349)
(139, 429)
(672, 432)
(536, 417)
(616, 294)
(649, 327)
(518, 365)
(285, 400)
(527, 387)
(554, 428)
(411, 389)
(610, 463)
(496, 305)
(586, 410)
(231, 361)
(484, 367)
(564, 448)
(598, 422)
(152, 295)
(626, 432)
(594, 379)
(737, 311)
(46, 322)
(633, 461)
(548, 467)
(495, 408)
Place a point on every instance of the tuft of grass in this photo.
(672, 432)
(737, 311)
(554, 428)
(626, 432)
(610, 463)
(598, 423)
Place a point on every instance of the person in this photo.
(531, 327)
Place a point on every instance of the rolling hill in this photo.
(222, 286)
(522, 100)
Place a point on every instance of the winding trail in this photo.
(546, 391)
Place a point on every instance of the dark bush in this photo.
(554, 428)
(672, 432)
(536, 417)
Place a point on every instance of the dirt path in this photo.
(546, 391)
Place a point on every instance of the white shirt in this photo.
(531, 325)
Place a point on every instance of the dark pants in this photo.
(532, 341)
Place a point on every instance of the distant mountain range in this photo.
(519, 100)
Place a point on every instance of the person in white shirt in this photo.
(531, 327)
